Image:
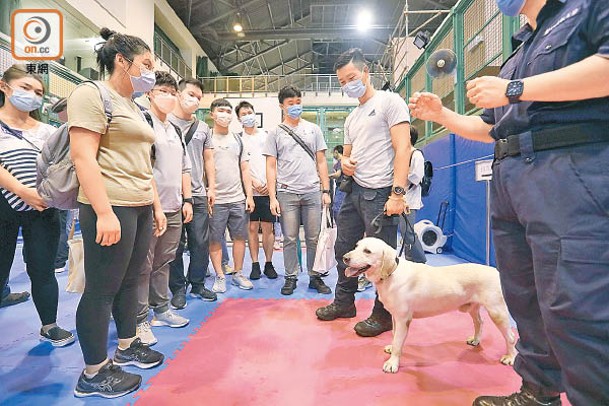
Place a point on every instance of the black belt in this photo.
(557, 137)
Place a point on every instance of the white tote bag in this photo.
(76, 266)
(324, 256)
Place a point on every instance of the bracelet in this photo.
(325, 191)
(187, 200)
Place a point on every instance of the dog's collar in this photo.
(397, 263)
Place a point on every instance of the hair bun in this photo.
(106, 33)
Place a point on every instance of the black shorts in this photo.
(262, 211)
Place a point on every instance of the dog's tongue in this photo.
(350, 271)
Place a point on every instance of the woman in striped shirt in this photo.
(21, 138)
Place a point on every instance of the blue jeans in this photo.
(354, 220)
(550, 222)
(197, 232)
(294, 208)
(415, 253)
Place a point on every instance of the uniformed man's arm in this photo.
(587, 79)
(428, 107)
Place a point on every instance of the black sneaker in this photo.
(178, 301)
(57, 336)
(269, 270)
(529, 395)
(110, 382)
(14, 298)
(289, 286)
(334, 311)
(255, 274)
(138, 355)
(316, 283)
(373, 326)
(204, 294)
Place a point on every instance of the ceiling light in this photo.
(364, 20)
(237, 26)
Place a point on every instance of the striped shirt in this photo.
(18, 157)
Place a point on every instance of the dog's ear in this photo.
(387, 263)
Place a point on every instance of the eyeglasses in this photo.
(143, 68)
(165, 91)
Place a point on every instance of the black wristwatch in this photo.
(187, 200)
(398, 190)
(514, 91)
(325, 191)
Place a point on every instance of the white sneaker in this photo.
(169, 318)
(219, 285)
(363, 283)
(144, 332)
(241, 281)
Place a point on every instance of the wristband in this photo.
(187, 200)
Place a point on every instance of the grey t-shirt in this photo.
(228, 168)
(367, 131)
(200, 141)
(171, 161)
(296, 171)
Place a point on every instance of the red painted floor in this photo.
(275, 352)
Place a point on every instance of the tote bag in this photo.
(324, 256)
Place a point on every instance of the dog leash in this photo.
(378, 223)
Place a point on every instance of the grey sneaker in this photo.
(241, 281)
(204, 294)
(144, 332)
(227, 269)
(138, 355)
(109, 382)
(169, 318)
(363, 283)
(57, 336)
(219, 285)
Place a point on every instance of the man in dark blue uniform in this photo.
(548, 114)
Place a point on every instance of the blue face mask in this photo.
(354, 89)
(295, 110)
(249, 120)
(510, 8)
(25, 101)
(143, 83)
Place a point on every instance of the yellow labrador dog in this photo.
(413, 291)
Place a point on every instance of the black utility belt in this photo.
(552, 138)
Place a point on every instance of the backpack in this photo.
(427, 175)
(56, 180)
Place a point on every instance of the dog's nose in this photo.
(346, 259)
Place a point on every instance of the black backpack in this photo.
(427, 175)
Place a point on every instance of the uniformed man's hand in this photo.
(488, 92)
(425, 106)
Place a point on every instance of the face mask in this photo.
(189, 104)
(143, 83)
(295, 111)
(223, 119)
(354, 89)
(249, 120)
(25, 101)
(165, 102)
(510, 8)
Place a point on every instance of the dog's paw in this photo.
(508, 359)
(387, 349)
(473, 341)
(391, 365)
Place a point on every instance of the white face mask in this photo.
(249, 120)
(165, 102)
(223, 119)
(189, 104)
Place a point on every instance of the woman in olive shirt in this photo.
(117, 198)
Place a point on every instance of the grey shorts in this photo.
(231, 215)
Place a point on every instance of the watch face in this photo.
(514, 89)
(398, 190)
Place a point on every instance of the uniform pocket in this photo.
(581, 284)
